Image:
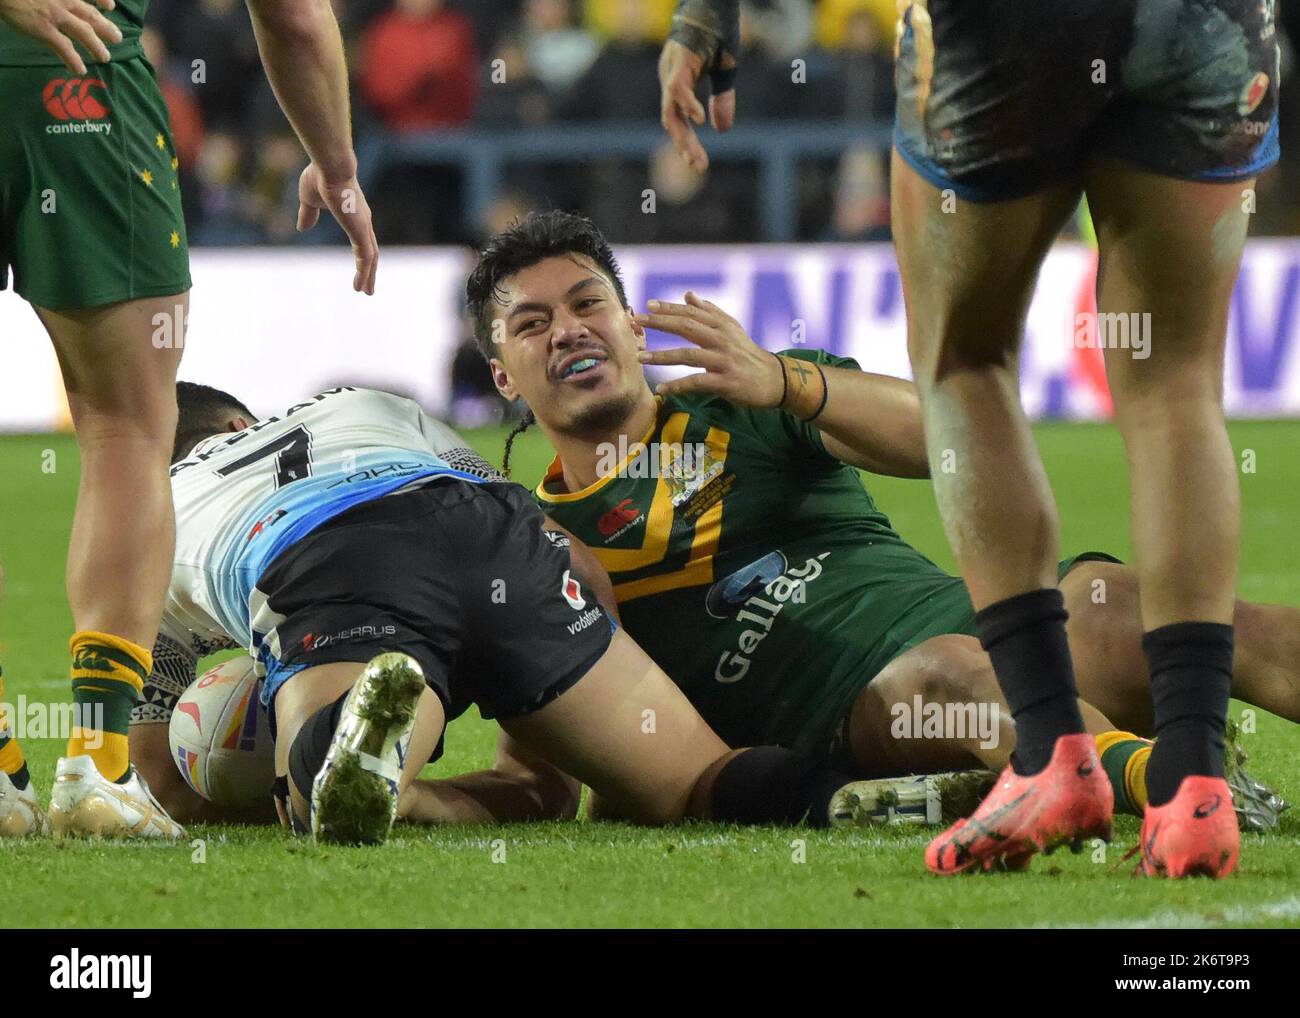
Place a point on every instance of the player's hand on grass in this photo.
(347, 203)
(735, 367)
(60, 23)
(679, 109)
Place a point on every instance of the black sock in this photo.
(772, 785)
(1191, 677)
(1025, 637)
(307, 754)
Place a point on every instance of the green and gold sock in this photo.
(1124, 758)
(11, 754)
(108, 675)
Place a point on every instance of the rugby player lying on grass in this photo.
(747, 557)
(385, 577)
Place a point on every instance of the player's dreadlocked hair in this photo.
(524, 422)
(203, 411)
(539, 235)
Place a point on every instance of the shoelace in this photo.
(1139, 869)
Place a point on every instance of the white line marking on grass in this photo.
(1233, 915)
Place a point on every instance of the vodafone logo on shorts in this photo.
(572, 592)
(72, 99)
(1253, 94)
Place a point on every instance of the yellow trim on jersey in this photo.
(698, 570)
(659, 518)
(556, 469)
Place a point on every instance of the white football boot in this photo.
(354, 796)
(20, 815)
(924, 799)
(85, 803)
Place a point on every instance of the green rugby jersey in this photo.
(756, 569)
(17, 50)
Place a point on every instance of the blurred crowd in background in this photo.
(421, 66)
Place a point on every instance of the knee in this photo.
(1163, 390)
(961, 341)
(149, 421)
(959, 673)
(950, 669)
(1102, 599)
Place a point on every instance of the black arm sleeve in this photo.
(710, 28)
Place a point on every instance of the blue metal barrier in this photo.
(482, 155)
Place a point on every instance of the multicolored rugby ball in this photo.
(220, 738)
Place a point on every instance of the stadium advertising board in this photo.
(270, 332)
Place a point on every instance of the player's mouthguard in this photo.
(579, 366)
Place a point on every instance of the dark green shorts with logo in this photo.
(952, 613)
(90, 206)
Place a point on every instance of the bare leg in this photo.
(1171, 249)
(1105, 630)
(122, 394)
(968, 276)
(119, 369)
(942, 670)
(1266, 666)
(968, 273)
(626, 731)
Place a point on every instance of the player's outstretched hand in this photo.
(735, 367)
(60, 23)
(347, 202)
(679, 109)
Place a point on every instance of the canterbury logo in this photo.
(621, 514)
(1208, 808)
(90, 661)
(71, 99)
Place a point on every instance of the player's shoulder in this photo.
(342, 397)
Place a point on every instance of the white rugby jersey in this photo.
(243, 497)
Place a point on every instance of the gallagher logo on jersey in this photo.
(572, 592)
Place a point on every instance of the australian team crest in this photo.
(693, 467)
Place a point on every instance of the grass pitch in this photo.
(588, 874)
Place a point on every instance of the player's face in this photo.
(566, 344)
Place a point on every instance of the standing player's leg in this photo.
(968, 274)
(121, 387)
(1170, 250)
(92, 226)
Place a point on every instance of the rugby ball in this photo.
(220, 738)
